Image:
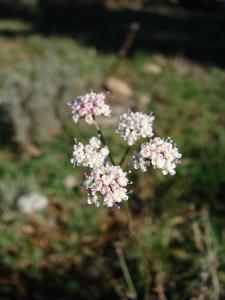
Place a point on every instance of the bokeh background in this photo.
(162, 56)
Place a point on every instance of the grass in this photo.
(68, 250)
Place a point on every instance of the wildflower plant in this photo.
(106, 183)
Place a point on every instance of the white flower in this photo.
(139, 162)
(159, 153)
(133, 126)
(90, 155)
(106, 185)
(88, 106)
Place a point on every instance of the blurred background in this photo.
(162, 56)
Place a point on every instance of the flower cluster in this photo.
(106, 185)
(88, 106)
(133, 126)
(91, 155)
(160, 154)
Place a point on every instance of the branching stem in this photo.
(123, 159)
(99, 131)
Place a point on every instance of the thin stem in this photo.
(102, 139)
(129, 217)
(126, 273)
(125, 155)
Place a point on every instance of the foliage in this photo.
(68, 250)
(41, 84)
(37, 8)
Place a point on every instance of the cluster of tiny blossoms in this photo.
(133, 126)
(105, 182)
(160, 154)
(91, 155)
(88, 106)
(106, 185)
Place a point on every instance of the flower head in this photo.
(91, 155)
(106, 185)
(88, 106)
(133, 126)
(160, 154)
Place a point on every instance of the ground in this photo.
(75, 250)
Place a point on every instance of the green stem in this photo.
(129, 217)
(99, 131)
(122, 261)
(126, 274)
(124, 155)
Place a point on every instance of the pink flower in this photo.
(106, 185)
(88, 106)
(90, 155)
(133, 126)
(160, 154)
